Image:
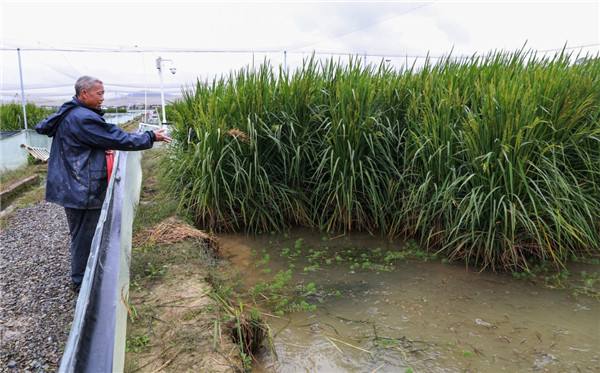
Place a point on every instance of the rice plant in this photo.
(493, 160)
(11, 116)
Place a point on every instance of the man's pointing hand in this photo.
(161, 135)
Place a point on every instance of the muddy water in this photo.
(418, 316)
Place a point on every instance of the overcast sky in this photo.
(392, 29)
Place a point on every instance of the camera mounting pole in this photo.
(159, 65)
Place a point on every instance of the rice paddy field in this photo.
(11, 116)
(494, 160)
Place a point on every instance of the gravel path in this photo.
(36, 302)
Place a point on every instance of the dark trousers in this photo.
(82, 225)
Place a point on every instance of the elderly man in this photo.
(77, 168)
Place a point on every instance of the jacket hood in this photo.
(49, 126)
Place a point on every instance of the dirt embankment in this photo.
(174, 324)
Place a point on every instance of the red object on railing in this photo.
(110, 161)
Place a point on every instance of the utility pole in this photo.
(162, 90)
(159, 64)
(145, 88)
(22, 90)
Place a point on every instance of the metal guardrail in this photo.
(97, 339)
(148, 127)
(152, 126)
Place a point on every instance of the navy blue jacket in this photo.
(77, 165)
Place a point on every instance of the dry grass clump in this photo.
(237, 134)
(173, 230)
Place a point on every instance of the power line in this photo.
(569, 48)
(139, 50)
(430, 56)
(113, 86)
(265, 51)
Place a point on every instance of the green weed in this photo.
(137, 343)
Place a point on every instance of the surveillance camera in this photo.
(173, 70)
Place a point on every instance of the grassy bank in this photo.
(11, 176)
(494, 160)
(174, 322)
(24, 197)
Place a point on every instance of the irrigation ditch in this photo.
(309, 300)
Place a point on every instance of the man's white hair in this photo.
(85, 82)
